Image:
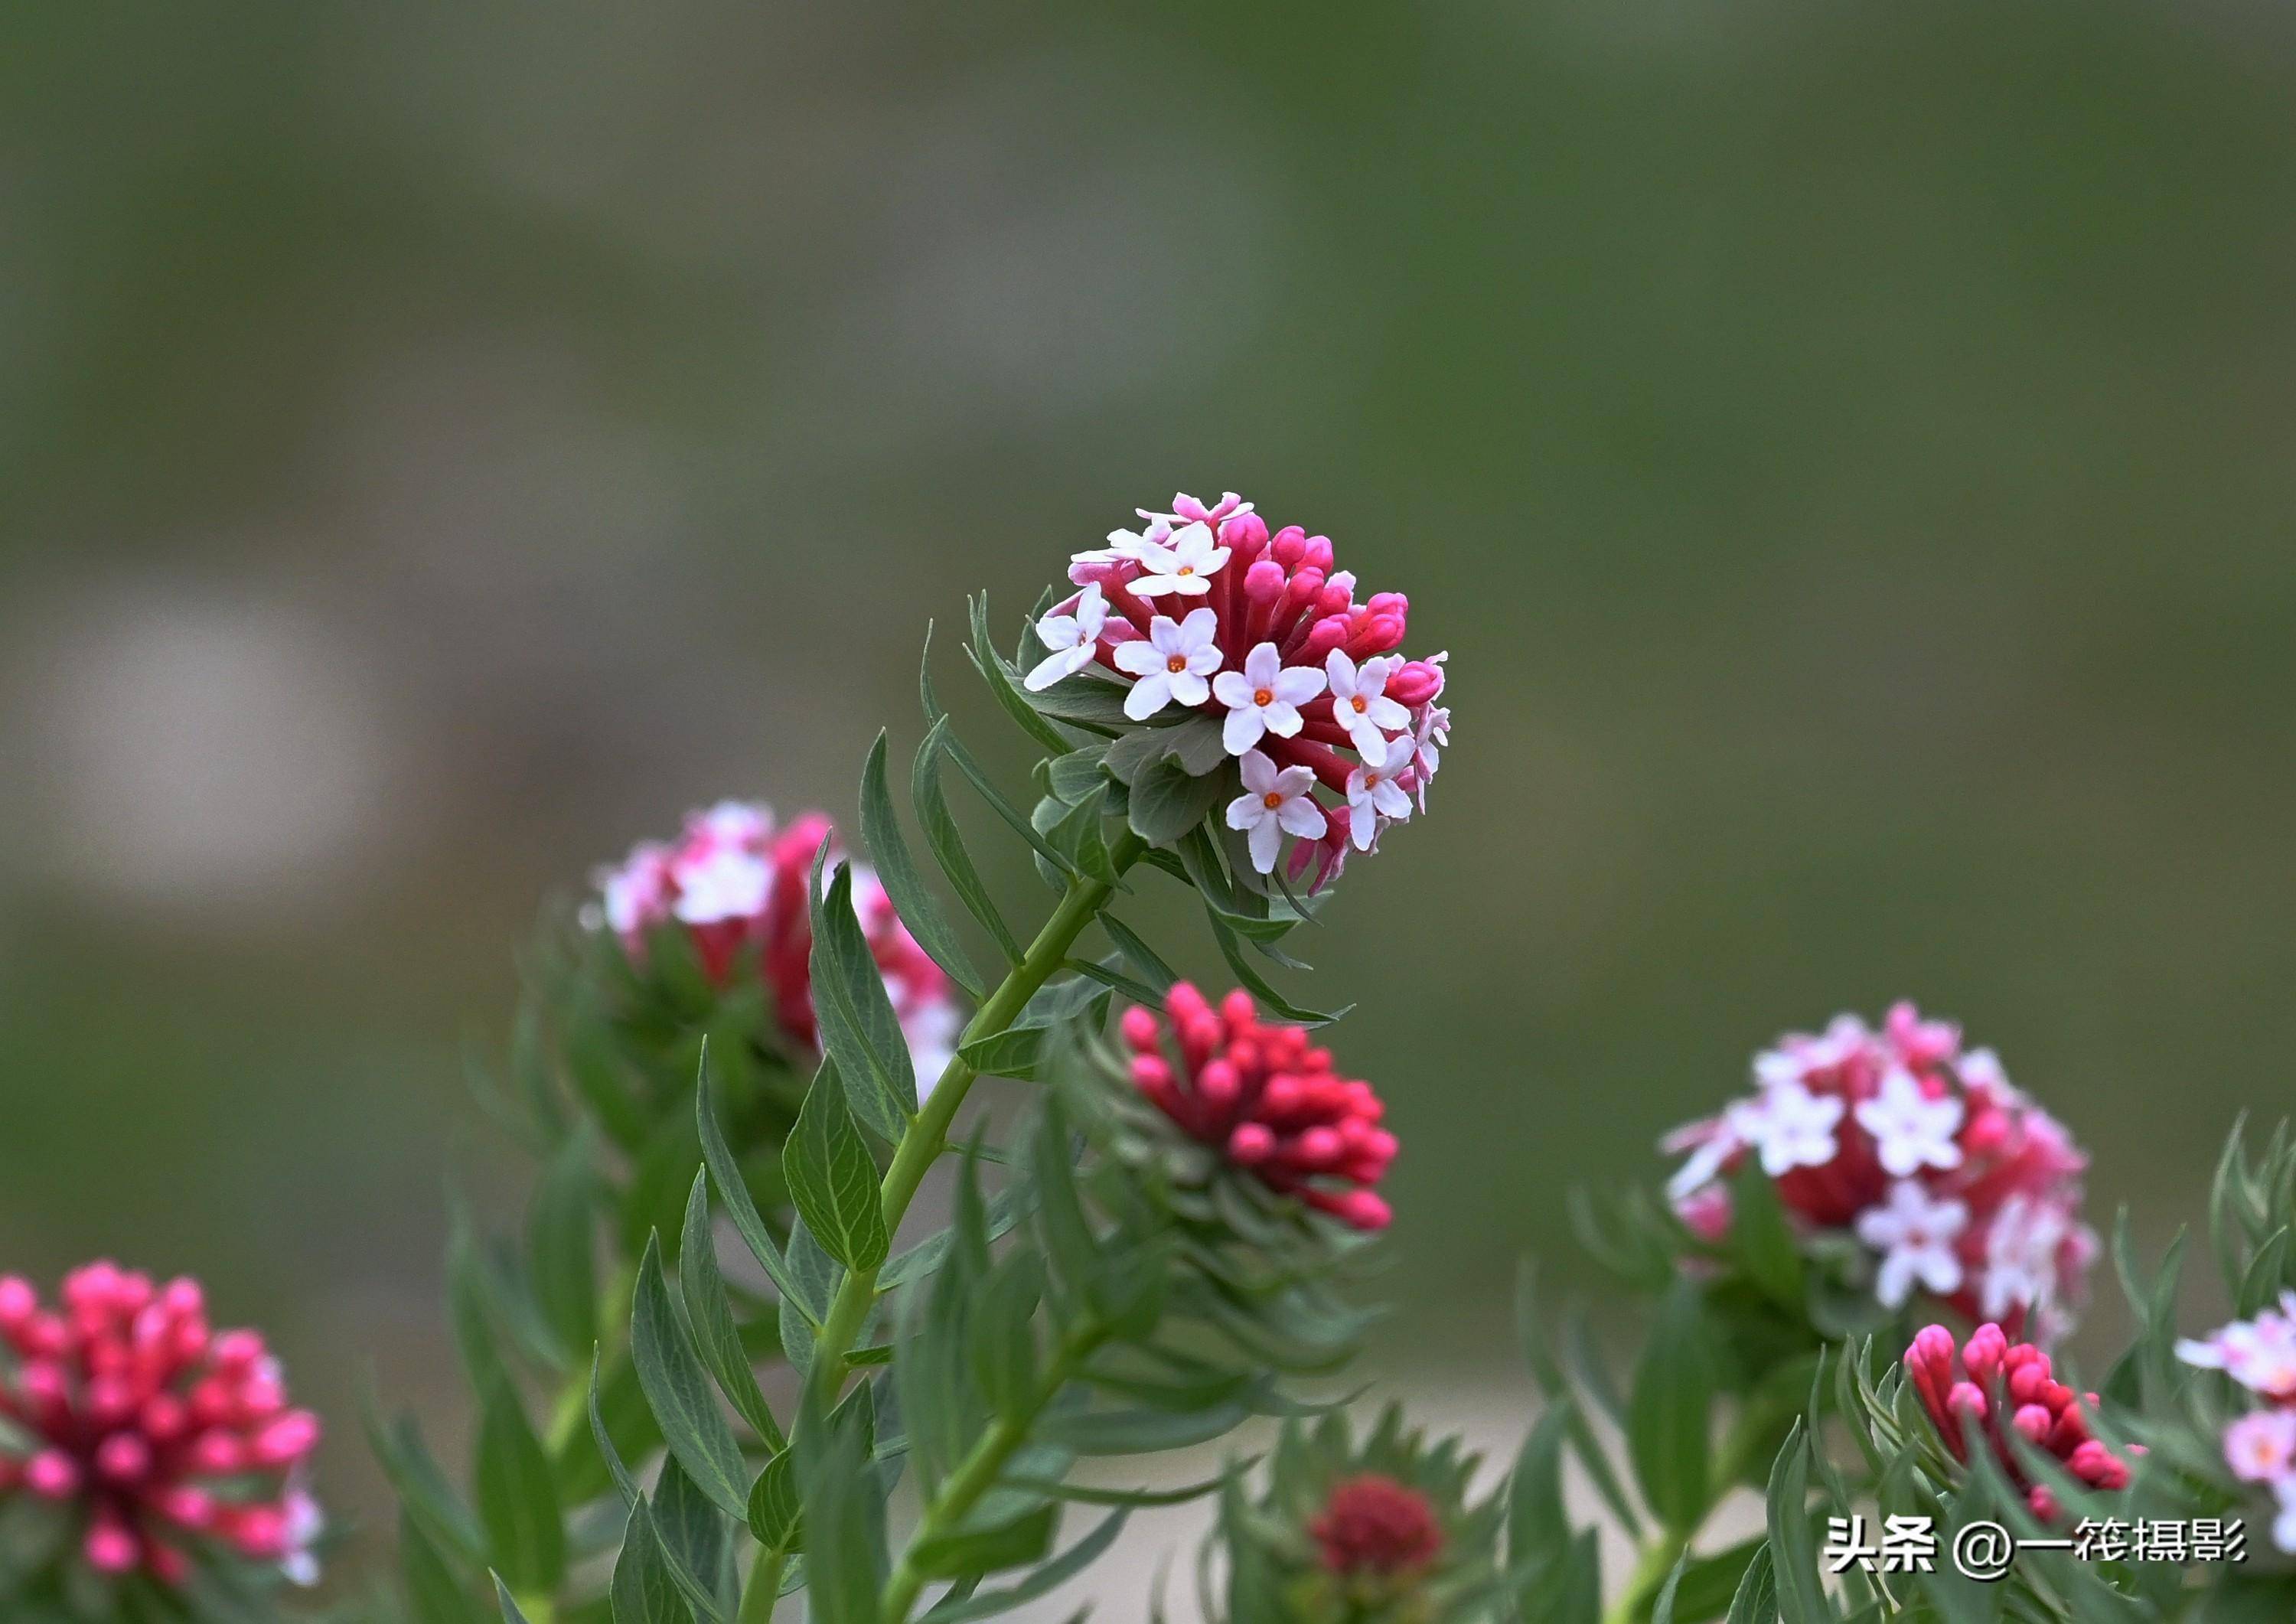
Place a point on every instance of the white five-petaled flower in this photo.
(1911, 1131)
(1185, 565)
(725, 883)
(1073, 638)
(1359, 703)
(1263, 698)
(2021, 1255)
(1172, 663)
(1790, 1127)
(1915, 1236)
(1127, 544)
(1372, 789)
(1274, 805)
(2259, 1353)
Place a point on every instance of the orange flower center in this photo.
(1360, 703)
(1262, 696)
(1176, 664)
(1273, 799)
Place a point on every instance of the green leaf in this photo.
(680, 1394)
(946, 842)
(1012, 1052)
(1195, 745)
(1662, 1609)
(1759, 1234)
(1667, 1419)
(1142, 959)
(503, 1599)
(1793, 1542)
(421, 1487)
(470, 1296)
(1538, 1529)
(435, 1593)
(1168, 801)
(1140, 1432)
(858, 1028)
(1004, 1334)
(963, 1553)
(951, 746)
(643, 1592)
(1076, 834)
(896, 869)
(1078, 773)
(844, 1518)
(1706, 1584)
(1042, 1581)
(776, 1505)
(710, 1311)
(518, 1496)
(561, 1240)
(832, 1177)
(1257, 985)
(617, 1469)
(733, 1191)
(1756, 1599)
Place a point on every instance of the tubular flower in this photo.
(1949, 1177)
(2260, 1447)
(1205, 610)
(2002, 1384)
(735, 885)
(1260, 1096)
(162, 1436)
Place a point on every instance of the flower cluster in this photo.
(1998, 1383)
(162, 1435)
(1373, 1524)
(1922, 1151)
(1204, 609)
(1261, 1096)
(2260, 1447)
(736, 885)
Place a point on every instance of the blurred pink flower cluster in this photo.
(2260, 1447)
(1268, 1100)
(160, 1432)
(1204, 609)
(1953, 1180)
(736, 885)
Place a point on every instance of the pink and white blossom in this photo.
(1360, 701)
(1274, 803)
(1171, 664)
(1909, 1108)
(1183, 566)
(735, 886)
(1073, 636)
(1283, 618)
(1263, 698)
(1914, 1235)
(1374, 790)
(2258, 1353)
(1911, 1130)
(2260, 1447)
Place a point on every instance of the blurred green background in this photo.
(1845, 447)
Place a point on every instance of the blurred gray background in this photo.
(1845, 447)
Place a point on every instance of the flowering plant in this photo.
(725, 1369)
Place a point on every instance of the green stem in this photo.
(765, 1588)
(926, 1135)
(977, 1474)
(1654, 1563)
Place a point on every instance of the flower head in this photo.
(1265, 1099)
(163, 1437)
(1206, 608)
(1951, 1181)
(1373, 1524)
(2000, 1385)
(736, 885)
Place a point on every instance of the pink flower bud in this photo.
(124, 1457)
(110, 1549)
(52, 1475)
